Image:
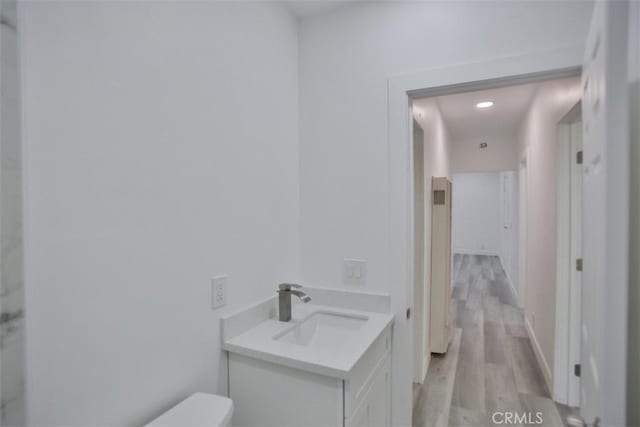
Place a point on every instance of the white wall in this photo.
(12, 366)
(435, 160)
(346, 59)
(501, 154)
(161, 150)
(476, 220)
(538, 135)
(437, 141)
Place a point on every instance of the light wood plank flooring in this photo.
(490, 365)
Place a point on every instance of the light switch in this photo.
(354, 271)
(219, 291)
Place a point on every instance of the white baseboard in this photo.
(542, 362)
(474, 252)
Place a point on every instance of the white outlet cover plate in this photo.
(354, 271)
(219, 291)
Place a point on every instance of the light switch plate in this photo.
(219, 291)
(354, 271)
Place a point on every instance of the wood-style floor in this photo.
(490, 365)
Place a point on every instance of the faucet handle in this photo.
(288, 286)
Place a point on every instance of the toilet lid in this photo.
(198, 410)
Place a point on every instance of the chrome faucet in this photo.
(285, 290)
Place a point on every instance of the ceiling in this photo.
(305, 8)
(466, 122)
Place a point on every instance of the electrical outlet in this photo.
(219, 291)
(354, 271)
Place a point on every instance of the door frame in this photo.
(508, 212)
(402, 89)
(522, 230)
(568, 299)
(633, 411)
(422, 354)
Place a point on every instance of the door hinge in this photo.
(579, 157)
(409, 313)
(579, 264)
(576, 369)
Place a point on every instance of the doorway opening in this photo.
(499, 242)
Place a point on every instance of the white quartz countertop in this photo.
(258, 342)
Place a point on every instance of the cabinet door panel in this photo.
(379, 399)
(375, 407)
(365, 370)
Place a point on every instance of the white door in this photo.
(605, 218)
(506, 196)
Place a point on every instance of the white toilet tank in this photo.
(197, 410)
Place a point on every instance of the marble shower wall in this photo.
(12, 407)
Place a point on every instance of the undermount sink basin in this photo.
(323, 329)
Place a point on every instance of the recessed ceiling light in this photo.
(484, 104)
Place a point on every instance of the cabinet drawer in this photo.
(365, 371)
(270, 395)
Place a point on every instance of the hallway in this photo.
(490, 365)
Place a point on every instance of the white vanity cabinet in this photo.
(266, 393)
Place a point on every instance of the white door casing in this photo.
(575, 251)
(605, 217)
(633, 411)
(420, 309)
(568, 250)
